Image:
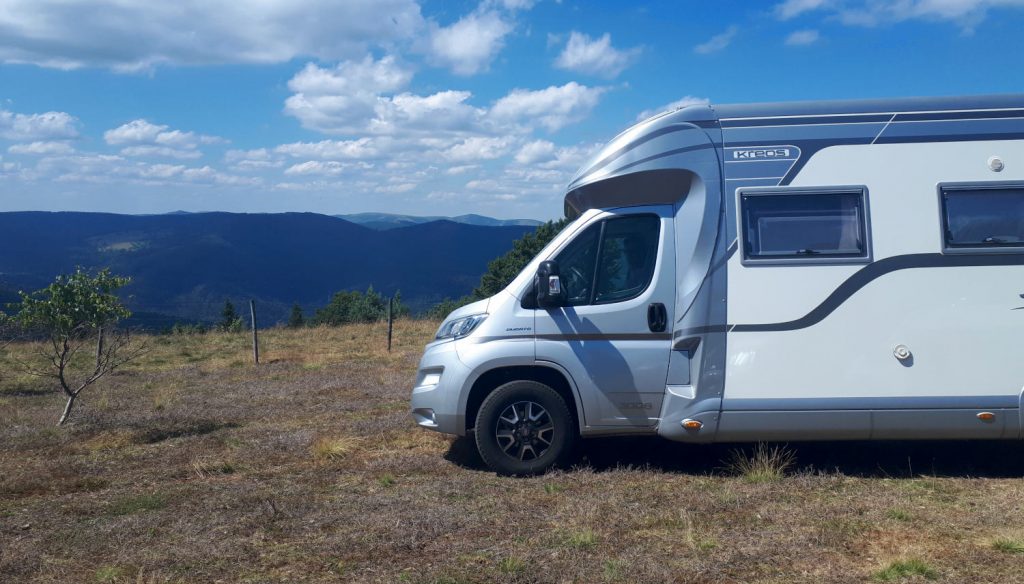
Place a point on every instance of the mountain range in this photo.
(391, 221)
(185, 265)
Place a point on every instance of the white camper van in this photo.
(803, 271)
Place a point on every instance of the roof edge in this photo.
(869, 106)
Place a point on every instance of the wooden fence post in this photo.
(99, 349)
(255, 337)
(391, 319)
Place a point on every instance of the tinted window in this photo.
(576, 265)
(804, 225)
(616, 257)
(629, 248)
(983, 217)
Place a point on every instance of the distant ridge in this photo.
(383, 221)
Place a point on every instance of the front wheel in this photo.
(524, 428)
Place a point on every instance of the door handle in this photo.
(657, 317)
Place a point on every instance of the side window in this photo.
(610, 261)
(798, 225)
(629, 248)
(982, 217)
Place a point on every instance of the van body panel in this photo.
(906, 338)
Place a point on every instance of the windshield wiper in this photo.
(807, 252)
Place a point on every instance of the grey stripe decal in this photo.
(872, 272)
(904, 117)
(769, 121)
(639, 141)
(871, 403)
(858, 280)
(867, 118)
(580, 337)
(607, 337)
(665, 154)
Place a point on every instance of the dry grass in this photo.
(192, 465)
(763, 464)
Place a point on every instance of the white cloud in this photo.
(552, 108)
(330, 149)
(328, 168)
(258, 154)
(793, 8)
(535, 152)
(252, 160)
(462, 169)
(42, 148)
(444, 111)
(160, 152)
(677, 104)
(557, 163)
(395, 188)
(144, 139)
(595, 56)
(966, 13)
(44, 126)
(209, 175)
(361, 98)
(131, 36)
(161, 170)
(516, 4)
(478, 148)
(717, 42)
(365, 77)
(801, 38)
(469, 45)
(143, 132)
(351, 98)
(113, 169)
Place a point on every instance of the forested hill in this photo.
(186, 265)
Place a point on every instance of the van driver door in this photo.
(614, 334)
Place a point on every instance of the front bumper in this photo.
(440, 384)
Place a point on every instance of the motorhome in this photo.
(791, 271)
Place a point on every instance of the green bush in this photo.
(348, 307)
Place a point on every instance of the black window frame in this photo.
(944, 233)
(745, 193)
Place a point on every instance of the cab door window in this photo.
(612, 261)
(576, 265)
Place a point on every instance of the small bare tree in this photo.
(74, 312)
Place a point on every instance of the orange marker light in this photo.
(693, 424)
(986, 416)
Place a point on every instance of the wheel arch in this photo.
(548, 374)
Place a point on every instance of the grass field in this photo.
(192, 465)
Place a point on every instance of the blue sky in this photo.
(426, 107)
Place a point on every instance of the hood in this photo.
(478, 307)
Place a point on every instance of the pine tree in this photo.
(501, 271)
(230, 321)
(296, 320)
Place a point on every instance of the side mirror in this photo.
(549, 286)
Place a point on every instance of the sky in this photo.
(426, 107)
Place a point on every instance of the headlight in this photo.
(459, 327)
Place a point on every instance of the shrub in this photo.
(763, 464)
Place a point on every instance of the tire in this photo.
(524, 428)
